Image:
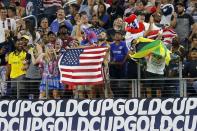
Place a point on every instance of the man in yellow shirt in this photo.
(17, 68)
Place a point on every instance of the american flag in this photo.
(82, 66)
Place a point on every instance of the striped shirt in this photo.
(51, 3)
(168, 34)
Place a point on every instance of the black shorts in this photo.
(154, 83)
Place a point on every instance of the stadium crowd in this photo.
(31, 54)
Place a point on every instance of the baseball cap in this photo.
(26, 37)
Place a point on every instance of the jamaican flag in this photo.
(146, 46)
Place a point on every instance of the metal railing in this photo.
(113, 88)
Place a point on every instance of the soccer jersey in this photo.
(16, 62)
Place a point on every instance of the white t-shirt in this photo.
(155, 65)
(5, 25)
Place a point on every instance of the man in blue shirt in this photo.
(117, 65)
(60, 21)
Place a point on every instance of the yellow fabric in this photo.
(142, 39)
(16, 63)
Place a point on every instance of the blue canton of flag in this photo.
(71, 57)
(96, 30)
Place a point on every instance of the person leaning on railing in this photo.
(17, 66)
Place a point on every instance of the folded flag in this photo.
(82, 66)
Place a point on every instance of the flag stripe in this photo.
(91, 60)
(80, 70)
(82, 80)
(81, 77)
(82, 73)
(93, 55)
(82, 83)
(85, 66)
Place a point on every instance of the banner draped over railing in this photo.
(99, 115)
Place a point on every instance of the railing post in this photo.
(17, 88)
(138, 79)
(47, 89)
(106, 88)
(180, 79)
(184, 88)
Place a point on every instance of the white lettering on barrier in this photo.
(12, 122)
(118, 123)
(166, 120)
(110, 115)
(151, 110)
(16, 109)
(128, 126)
(93, 121)
(106, 125)
(36, 108)
(36, 124)
(70, 112)
(25, 126)
(118, 107)
(25, 107)
(93, 105)
(152, 124)
(106, 106)
(58, 109)
(190, 104)
(163, 106)
(70, 120)
(80, 107)
(82, 122)
(4, 102)
(48, 124)
(134, 108)
(3, 124)
(140, 108)
(63, 122)
(146, 123)
(52, 105)
(176, 105)
(175, 123)
(193, 123)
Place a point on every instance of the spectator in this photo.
(118, 56)
(155, 65)
(191, 71)
(194, 41)
(118, 25)
(88, 8)
(115, 11)
(73, 9)
(50, 74)
(33, 74)
(97, 3)
(17, 66)
(60, 20)
(44, 26)
(131, 7)
(82, 24)
(29, 30)
(68, 41)
(183, 20)
(192, 9)
(103, 17)
(50, 8)
(12, 13)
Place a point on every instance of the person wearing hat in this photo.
(183, 20)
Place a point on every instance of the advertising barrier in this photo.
(168, 114)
